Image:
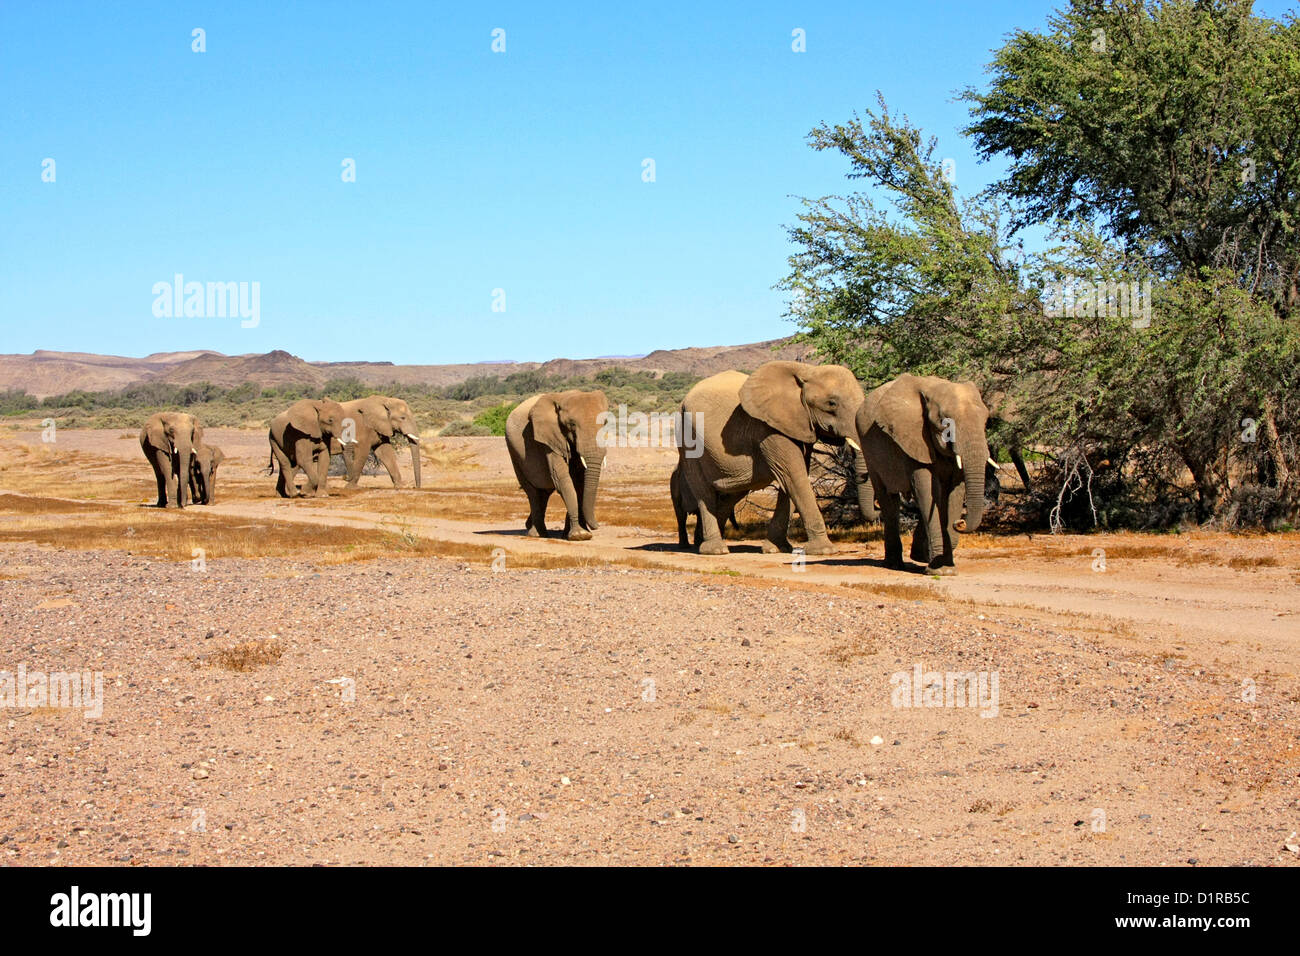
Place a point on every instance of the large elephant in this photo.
(372, 423)
(924, 438)
(761, 428)
(168, 440)
(300, 437)
(203, 475)
(553, 447)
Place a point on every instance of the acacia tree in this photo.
(1155, 141)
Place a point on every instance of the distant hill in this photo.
(54, 373)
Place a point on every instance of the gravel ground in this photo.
(426, 710)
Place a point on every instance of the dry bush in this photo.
(247, 655)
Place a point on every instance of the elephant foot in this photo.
(776, 547)
(895, 564)
(819, 546)
(578, 534)
(715, 546)
(943, 570)
(532, 531)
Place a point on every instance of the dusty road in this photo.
(617, 700)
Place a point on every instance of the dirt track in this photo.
(1121, 732)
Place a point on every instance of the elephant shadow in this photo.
(672, 547)
(909, 567)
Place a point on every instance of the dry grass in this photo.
(246, 656)
(848, 651)
(179, 535)
(25, 504)
(903, 592)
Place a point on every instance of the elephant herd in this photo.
(302, 438)
(915, 437)
(921, 438)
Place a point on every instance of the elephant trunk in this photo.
(866, 494)
(595, 458)
(975, 457)
(415, 456)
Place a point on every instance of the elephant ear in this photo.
(545, 418)
(305, 416)
(899, 409)
(375, 416)
(218, 456)
(774, 394)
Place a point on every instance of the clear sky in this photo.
(476, 171)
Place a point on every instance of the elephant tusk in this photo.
(994, 463)
(413, 438)
(852, 444)
(583, 460)
(959, 462)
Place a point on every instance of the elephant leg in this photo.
(701, 497)
(923, 493)
(304, 456)
(678, 493)
(284, 486)
(889, 508)
(387, 456)
(794, 479)
(322, 463)
(563, 481)
(537, 500)
(778, 527)
(928, 539)
(161, 462)
(355, 456)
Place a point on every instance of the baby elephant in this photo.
(203, 473)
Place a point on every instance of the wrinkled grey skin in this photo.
(203, 476)
(904, 428)
(300, 437)
(760, 428)
(552, 443)
(376, 420)
(168, 440)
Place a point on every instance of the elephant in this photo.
(168, 440)
(685, 510)
(758, 429)
(203, 474)
(924, 437)
(552, 439)
(300, 437)
(375, 420)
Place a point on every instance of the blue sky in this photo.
(475, 170)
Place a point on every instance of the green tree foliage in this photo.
(1154, 142)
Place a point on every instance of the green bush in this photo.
(494, 419)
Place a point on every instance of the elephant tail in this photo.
(270, 465)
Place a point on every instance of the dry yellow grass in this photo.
(183, 535)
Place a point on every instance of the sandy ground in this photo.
(618, 700)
